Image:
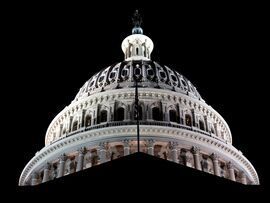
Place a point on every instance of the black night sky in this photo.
(219, 48)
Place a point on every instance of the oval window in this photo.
(112, 74)
(91, 84)
(162, 74)
(101, 78)
(150, 72)
(173, 78)
(184, 83)
(124, 72)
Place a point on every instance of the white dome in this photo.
(175, 123)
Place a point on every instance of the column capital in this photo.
(126, 142)
(63, 157)
(150, 142)
(173, 145)
(47, 166)
(103, 145)
(214, 156)
(82, 150)
(183, 152)
(230, 165)
(195, 150)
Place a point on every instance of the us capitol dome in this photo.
(174, 122)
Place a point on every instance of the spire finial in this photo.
(137, 21)
(137, 46)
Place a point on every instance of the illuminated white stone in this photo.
(137, 47)
(176, 123)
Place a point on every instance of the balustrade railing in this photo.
(124, 123)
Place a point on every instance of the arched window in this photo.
(101, 78)
(162, 74)
(120, 114)
(204, 164)
(188, 120)
(88, 120)
(112, 75)
(150, 72)
(172, 114)
(212, 130)
(130, 50)
(156, 114)
(157, 150)
(201, 125)
(137, 71)
(124, 72)
(137, 51)
(103, 116)
(140, 112)
(75, 125)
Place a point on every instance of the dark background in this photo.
(220, 48)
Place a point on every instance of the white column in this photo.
(180, 115)
(243, 178)
(94, 116)
(80, 159)
(173, 146)
(131, 112)
(174, 155)
(215, 157)
(60, 130)
(216, 129)
(127, 113)
(79, 122)
(196, 155)
(102, 151)
(126, 148)
(231, 171)
(206, 124)
(34, 178)
(46, 173)
(61, 167)
(111, 112)
(150, 147)
(165, 112)
(70, 124)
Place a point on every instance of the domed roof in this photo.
(137, 49)
(152, 75)
(165, 113)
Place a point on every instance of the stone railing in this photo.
(123, 123)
